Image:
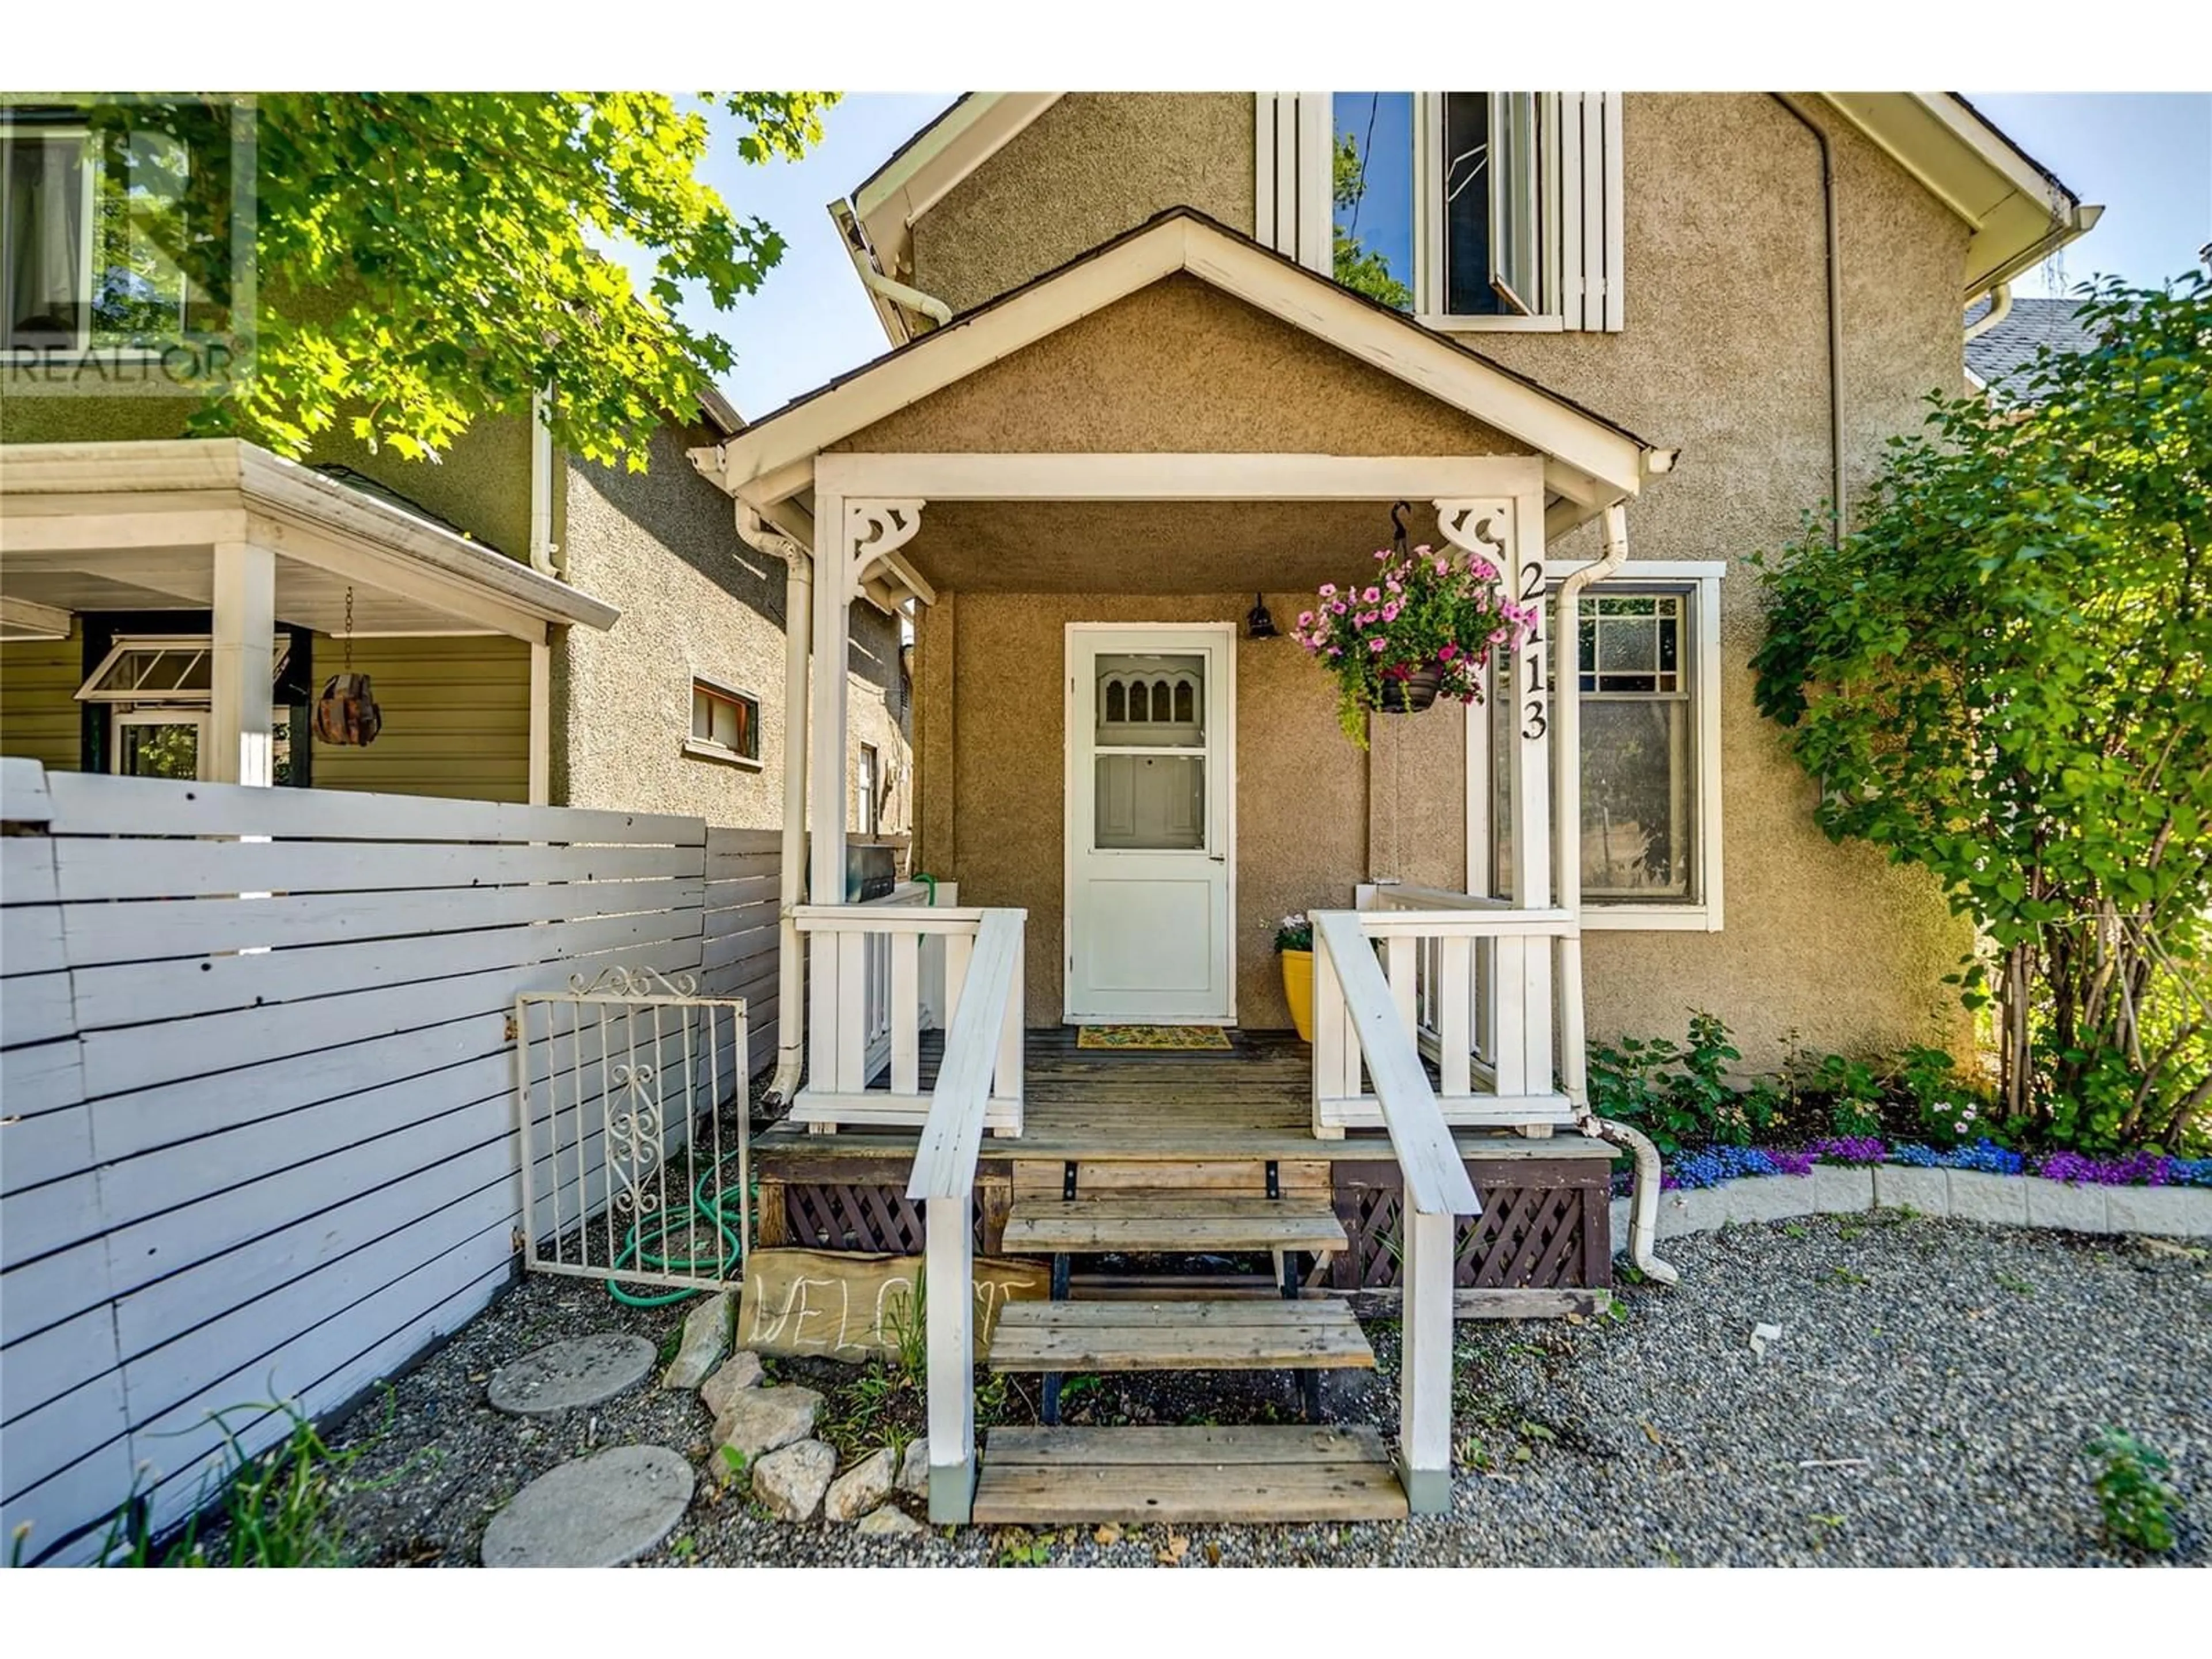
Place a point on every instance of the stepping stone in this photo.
(582, 1370)
(597, 1512)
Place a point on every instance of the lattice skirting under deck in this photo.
(847, 1204)
(1545, 1224)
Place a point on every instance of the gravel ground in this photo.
(1924, 1406)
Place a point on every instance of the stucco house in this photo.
(1750, 291)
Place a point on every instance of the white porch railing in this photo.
(1471, 979)
(986, 1019)
(1371, 1024)
(867, 965)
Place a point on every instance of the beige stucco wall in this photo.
(696, 602)
(1088, 168)
(1724, 355)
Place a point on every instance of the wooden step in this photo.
(1051, 1476)
(1161, 1222)
(1312, 1333)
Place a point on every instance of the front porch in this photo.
(1119, 788)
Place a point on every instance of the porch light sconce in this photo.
(1258, 624)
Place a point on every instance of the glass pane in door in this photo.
(1152, 701)
(1150, 803)
(166, 748)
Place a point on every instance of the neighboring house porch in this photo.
(224, 564)
(1084, 485)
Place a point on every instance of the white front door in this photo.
(1151, 823)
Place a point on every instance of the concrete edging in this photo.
(1964, 1194)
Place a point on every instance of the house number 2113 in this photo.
(1533, 722)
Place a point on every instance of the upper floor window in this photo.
(1469, 209)
(90, 227)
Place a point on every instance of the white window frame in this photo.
(1701, 579)
(1538, 189)
(89, 165)
(868, 780)
(705, 749)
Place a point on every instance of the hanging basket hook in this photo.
(1398, 525)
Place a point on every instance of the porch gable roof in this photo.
(773, 458)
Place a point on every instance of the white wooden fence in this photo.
(259, 1134)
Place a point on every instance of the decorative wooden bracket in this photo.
(1480, 526)
(876, 527)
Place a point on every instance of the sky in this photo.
(2147, 157)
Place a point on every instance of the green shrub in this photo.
(2000, 677)
(1679, 1095)
(1854, 1096)
(2132, 1491)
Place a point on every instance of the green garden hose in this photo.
(643, 1246)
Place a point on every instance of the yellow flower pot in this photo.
(1297, 987)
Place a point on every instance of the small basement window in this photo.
(725, 725)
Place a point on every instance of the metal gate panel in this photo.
(633, 1131)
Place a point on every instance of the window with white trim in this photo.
(1647, 663)
(1473, 209)
(89, 227)
(725, 724)
(867, 793)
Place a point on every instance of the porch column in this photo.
(1508, 532)
(239, 749)
(851, 536)
(541, 723)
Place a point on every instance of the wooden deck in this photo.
(1252, 1101)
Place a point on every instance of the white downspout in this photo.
(542, 550)
(1567, 875)
(912, 298)
(2000, 308)
(798, 634)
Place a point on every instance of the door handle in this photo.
(1218, 857)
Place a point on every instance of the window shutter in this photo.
(1292, 137)
(1592, 221)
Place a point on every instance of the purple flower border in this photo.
(1718, 1164)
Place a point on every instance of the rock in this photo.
(790, 1482)
(863, 1487)
(890, 1522)
(705, 1340)
(560, 1376)
(597, 1511)
(740, 1371)
(761, 1420)
(914, 1468)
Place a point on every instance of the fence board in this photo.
(144, 930)
(118, 868)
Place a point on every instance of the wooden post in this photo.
(541, 724)
(1425, 1384)
(240, 748)
(950, 1312)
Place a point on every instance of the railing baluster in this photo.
(1454, 1004)
(852, 1072)
(906, 1013)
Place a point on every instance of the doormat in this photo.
(1161, 1037)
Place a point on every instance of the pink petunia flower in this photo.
(1376, 645)
(1443, 567)
(1380, 553)
(1305, 619)
(1336, 650)
(1372, 594)
(1447, 651)
(1338, 607)
(1498, 638)
(1390, 611)
(1329, 589)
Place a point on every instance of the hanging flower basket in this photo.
(1423, 624)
